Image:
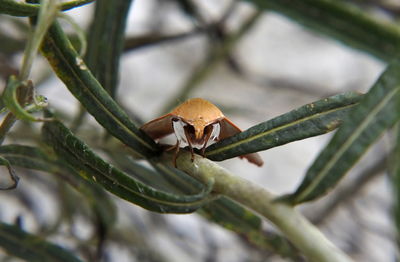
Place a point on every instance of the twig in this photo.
(305, 236)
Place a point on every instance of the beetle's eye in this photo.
(190, 129)
(208, 129)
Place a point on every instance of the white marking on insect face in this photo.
(215, 131)
(179, 131)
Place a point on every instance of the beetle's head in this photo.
(198, 127)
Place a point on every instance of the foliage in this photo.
(89, 171)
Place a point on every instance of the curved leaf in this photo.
(34, 158)
(309, 120)
(378, 111)
(16, 8)
(91, 167)
(341, 21)
(11, 172)
(71, 69)
(28, 157)
(19, 243)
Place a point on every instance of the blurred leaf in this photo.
(28, 157)
(71, 69)
(232, 216)
(106, 41)
(343, 22)
(19, 243)
(309, 120)
(178, 179)
(34, 158)
(10, 45)
(17, 8)
(11, 172)
(6, 124)
(377, 111)
(91, 167)
(154, 39)
(153, 178)
(395, 172)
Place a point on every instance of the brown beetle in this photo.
(196, 123)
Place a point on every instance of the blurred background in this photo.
(268, 65)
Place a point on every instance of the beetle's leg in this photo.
(189, 141)
(207, 134)
(172, 147)
(176, 152)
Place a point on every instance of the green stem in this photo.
(305, 236)
(47, 13)
(15, 8)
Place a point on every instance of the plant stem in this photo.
(305, 236)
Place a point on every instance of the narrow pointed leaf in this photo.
(378, 111)
(343, 22)
(19, 243)
(309, 120)
(142, 173)
(236, 218)
(11, 173)
(84, 161)
(28, 157)
(36, 159)
(17, 8)
(71, 69)
(106, 40)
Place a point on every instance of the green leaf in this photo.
(71, 69)
(28, 157)
(11, 172)
(17, 8)
(106, 40)
(341, 21)
(34, 158)
(234, 217)
(378, 111)
(84, 161)
(19, 243)
(309, 120)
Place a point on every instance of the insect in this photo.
(196, 123)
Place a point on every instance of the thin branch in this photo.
(305, 236)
